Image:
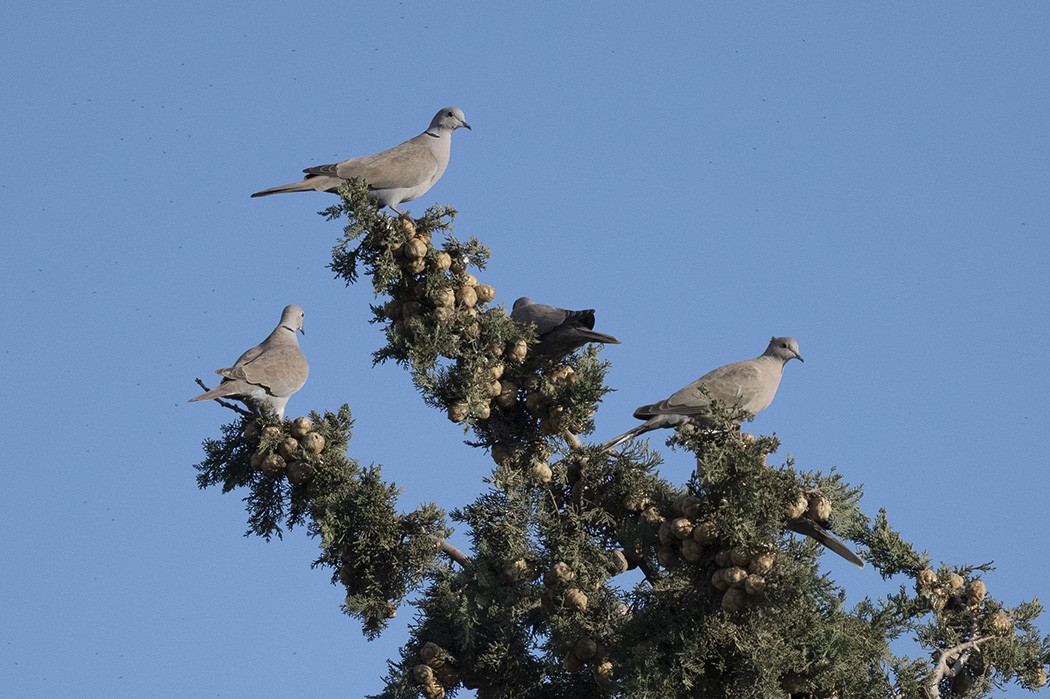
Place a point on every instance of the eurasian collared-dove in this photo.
(268, 374)
(400, 174)
(561, 331)
(750, 385)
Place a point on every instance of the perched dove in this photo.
(268, 374)
(750, 385)
(561, 331)
(400, 174)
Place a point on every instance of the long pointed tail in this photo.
(595, 336)
(807, 527)
(656, 422)
(304, 186)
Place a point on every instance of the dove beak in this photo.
(799, 357)
(467, 126)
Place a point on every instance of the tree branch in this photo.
(451, 551)
(940, 670)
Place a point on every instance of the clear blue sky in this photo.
(869, 178)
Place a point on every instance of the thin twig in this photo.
(220, 401)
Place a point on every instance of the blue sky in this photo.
(869, 179)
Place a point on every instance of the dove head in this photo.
(292, 318)
(449, 119)
(784, 348)
(522, 302)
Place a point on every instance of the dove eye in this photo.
(784, 345)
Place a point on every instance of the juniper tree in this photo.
(725, 602)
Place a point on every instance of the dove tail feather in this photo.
(807, 527)
(304, 186)
(594, 336)
(627, 436)
(225, 389)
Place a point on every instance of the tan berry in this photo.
(414, 249)
(926, 579)
(636, 502)
(466, 296)
(619, 562)
(516, 570)
(1001, 624)
(457, 412)
(735, 576)
(739, 556)
(431, 653)
(975, 592)
(314, 443)
(501, 454)
(651, 515)
(299, 472)
(819, 508)
(273, 465)
(445, 297)
(692, 551)
(288, 448)
(516, 351)
(761, 563)
(797, 508)
(560, 572)
(540, 473)
(485, 293)
(423, 674)
(733, 600)
(603, 674)
(705, 532)
(406, 226)
(508, 394)
(440, 261)
(682, 528)
(493, 388)
(576, 599)
(754, 585)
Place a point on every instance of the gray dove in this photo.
(400, 174)
(561, 331)
(268, 374)
(750, 385)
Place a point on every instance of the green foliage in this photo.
(589, 574)
(378, 555)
